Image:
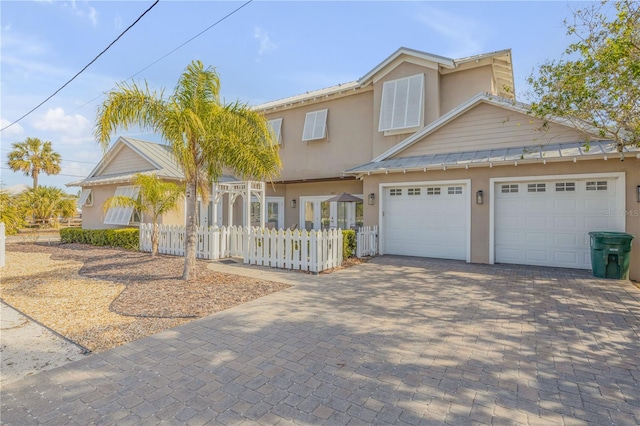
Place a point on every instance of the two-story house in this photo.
(447, 163)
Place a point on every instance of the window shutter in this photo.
(276, 128)
(84, 197)
(122, 215)
(315, 125)
(401, 105)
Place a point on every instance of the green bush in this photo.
(348, 243)
(126, 238)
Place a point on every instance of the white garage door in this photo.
(426, 220)
(547, 223)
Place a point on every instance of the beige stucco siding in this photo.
(93, 216)
(459, 86)
(126, 160)
(348, 143)
(490, 127)
(480, 178)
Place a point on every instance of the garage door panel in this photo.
(567, 240)
(553, 228)
(428, 225)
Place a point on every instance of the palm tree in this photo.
(47, 203)
(205, 134)
(10, 212)
(32, 157)
(156, 197)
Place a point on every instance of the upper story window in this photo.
(122, 215)
(401, 106)
(276, 128)
(315, 125)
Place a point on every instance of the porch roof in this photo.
(529, 154)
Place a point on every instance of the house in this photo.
(447, 162)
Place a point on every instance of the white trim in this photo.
(620, 197)
(447, 62)
(465, 182)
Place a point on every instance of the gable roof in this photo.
(158, 155)
(500, 60)
(508, 104)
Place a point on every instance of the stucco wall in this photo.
(348, 143)
(480, 176)
(457, 87)
(93, 217)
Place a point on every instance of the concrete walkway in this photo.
(394, 341)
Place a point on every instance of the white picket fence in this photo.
(301, 250)
(3, 239)
(367, 241)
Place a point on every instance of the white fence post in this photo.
(3, 239)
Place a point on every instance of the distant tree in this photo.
(10, 213)
(597, 82)
(47, 204)
(33, 157)
(156, 197)
(205, 134)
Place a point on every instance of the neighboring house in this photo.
(448, 164)
(16, 189)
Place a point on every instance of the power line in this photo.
(57, 174)
(173, 50)
(83, 69)
(61, 159)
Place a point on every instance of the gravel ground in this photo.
(101, 297)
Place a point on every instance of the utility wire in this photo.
(175, 49)
(83, 69)
(57, 174)
(62, 159)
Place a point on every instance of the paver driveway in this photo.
(396, 340)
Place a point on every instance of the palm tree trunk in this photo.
(34, 173)
(192, 229)
(154, 238)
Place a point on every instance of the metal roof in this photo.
(536, 153)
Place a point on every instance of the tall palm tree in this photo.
(33, 157)
(205, 134)
(156, 197)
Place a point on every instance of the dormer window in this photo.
(276, 128)
(315, 125)
(401, 106)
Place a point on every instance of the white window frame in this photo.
(276, 128)
(86, 198)
(315, 125)
(122, 215)
(399, 103)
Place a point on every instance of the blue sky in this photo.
(266, 51)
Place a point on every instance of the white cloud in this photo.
(14, 130)
(117, 22)
(69, 129)
(93, 16)
(464, 33)
(265, 43)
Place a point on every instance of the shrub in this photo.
(126, 238)
(348, 243)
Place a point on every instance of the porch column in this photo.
(247, 206)
(263, 204)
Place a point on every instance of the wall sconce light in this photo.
(480, 197)
(638, 192)
(293, 204)
(372, 198)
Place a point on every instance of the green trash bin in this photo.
(610, 254)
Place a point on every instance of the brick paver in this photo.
(397, 340)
